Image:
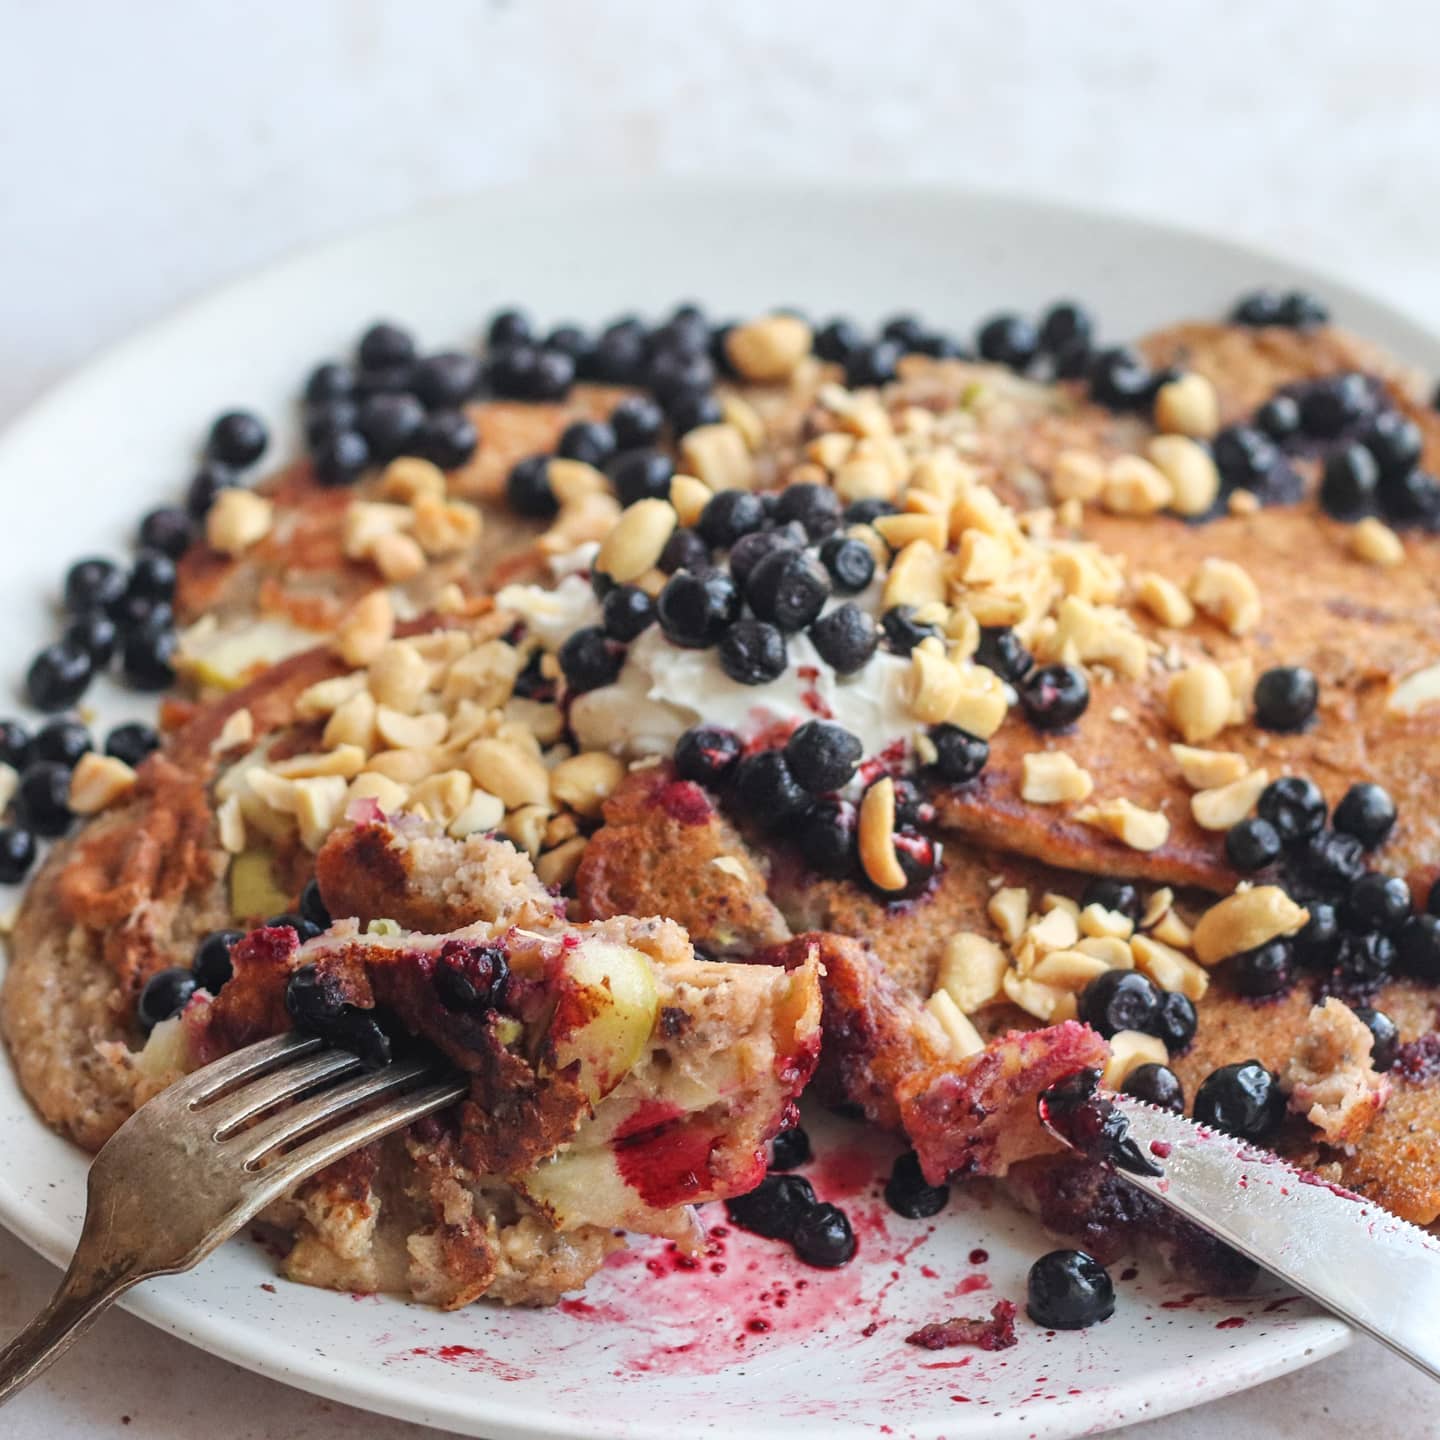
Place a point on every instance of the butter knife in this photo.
(1344, 1252)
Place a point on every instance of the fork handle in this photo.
(84, 1295)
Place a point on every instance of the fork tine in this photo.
(304, 1160)
(293, 1122)
(235, 1069)
(231, 1112)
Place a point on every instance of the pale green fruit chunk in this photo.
(226, 659)
(253, 891)
(619, 1001)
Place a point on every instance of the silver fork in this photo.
(189, 1168)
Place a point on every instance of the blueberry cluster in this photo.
(784, 1207)
(1247, 457)
(790, 791)
(1292, 309)
(1129, 1000)
(44, 762)
(393, 401)
(167, 992)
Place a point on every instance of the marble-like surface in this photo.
(150, 150)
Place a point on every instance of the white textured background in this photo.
(149, 148)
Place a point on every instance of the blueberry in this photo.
(940, 346)
(872, 364)
(687, 330)
(324, 422)
(312, 1000)
(846, 638)
(1417, 947)
(1366, 960)
(1007, 340)
(1176, 1021)
(1120, 1000)
(447, 380)
(1285, 698)
(152, 576)
(341, 459)
(823, 756)
(774, 1207)
(619, 354)
(1252, 844)
(590, 659)
(749, 550)
(1260, 307)
(1331, 861)
(61, 741)
(1279, 418)
(93, 584)
(14, 744)
(383, 380)
(470, 977)
(1395, 441)
(167, 529)
(329, 381)
(96, 633)
(1367, 812)
(822, 1237)
(1335, 404)
(360, 1032)
(1244, 1100)
(131, 742)
(147, 655)
(696, 607)
(789, 588)
(866, 512)
(902, 631)
(1410, 499)
(1120, 379)
(1303, 311)
(1316, 945)
(1432, 903)
(592, 442)
(1068, 1290)
(165, 994)
(790, 1149)
(207, 482)
(1064, 326)
(1295, 806)
(58, 676)
(1265, 970)
(17, 853)
(673, 373)
(1000, 650)
(447, 438)
(691, 409)
(838, 340)
(212, 966)
(636, 422)
(513, 372)
(959, 756)
(684, 550)
(385, 344)
(768, 793)
(1376, 902)
(752, 652)
(908, 1194)
(508, 327)
(707, 754)
(42, 800)
(815, 507)
(527, 488)
(729, 515)
(1244, 457)
(1384, 1036)
(1111, 894)
(903, 329)
(1054, 696)
(851, 565)
(1350, 484)
(1156, 1085)
(826, 838)
(391, 424)
(313, 907)
(237, 438)
(641, 475)
(627, 611)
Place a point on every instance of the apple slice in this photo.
(225, 659)
(605, 1014)
(253, 891)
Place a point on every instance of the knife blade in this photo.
(1344, 1252)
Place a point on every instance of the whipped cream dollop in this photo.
(664, 689)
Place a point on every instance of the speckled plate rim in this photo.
(953, 254)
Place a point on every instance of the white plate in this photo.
(647, 1354)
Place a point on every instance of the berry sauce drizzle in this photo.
(1075, 1111)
